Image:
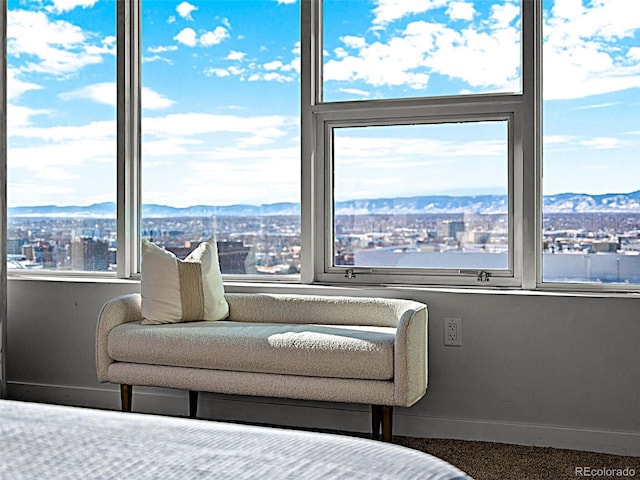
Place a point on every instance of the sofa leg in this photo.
(387, 423)
(376, 419)
(126, 392)
(193, 403)
(381, 417)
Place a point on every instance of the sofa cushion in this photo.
(334, 351)
(175, 290)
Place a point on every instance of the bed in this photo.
(39, 441)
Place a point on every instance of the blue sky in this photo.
(221, 97)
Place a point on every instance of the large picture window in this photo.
(61, 136)
(591, 134)
(220, 131)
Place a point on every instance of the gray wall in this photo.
(540, 369)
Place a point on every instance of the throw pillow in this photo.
(175, 290)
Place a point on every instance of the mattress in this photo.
(39, 441)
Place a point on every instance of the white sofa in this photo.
(326, 348)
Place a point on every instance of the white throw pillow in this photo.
(175, 290)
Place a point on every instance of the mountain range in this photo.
(478, 204)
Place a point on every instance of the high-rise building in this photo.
(90, 254)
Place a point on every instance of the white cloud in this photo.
(156, 58)
(61, 6)
(152, 100)
(352, 41)
(386, 160)
(21, 116)
(503, 15)
(233, 70)
(234, 55)
(253, 154)
(192, 124)
(215, 37)
(460, 11)
(162, 49)
(277, 77)
(62, 134)
(585, 53)
(255, 174)
(355, 91)
(218, 72)
(185, 9)
(168, 147)
(274, 65)
(16, 86)
(602, 143)
(106, 94)
(52, 47)
(286, 2)
(598, 105)
(187, 36)
(488, 59)
(388, 11)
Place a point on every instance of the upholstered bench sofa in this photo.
(326, 348)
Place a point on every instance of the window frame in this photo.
(324, 115)
(415, 113)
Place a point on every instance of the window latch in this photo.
(483, 276)
(349, 273)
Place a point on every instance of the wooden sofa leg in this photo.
(376, 419)
(387, 423)
(381, 416)
(193, 404)
(126, 392)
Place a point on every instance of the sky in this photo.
(221, 98)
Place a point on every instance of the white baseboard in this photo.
(331, 416)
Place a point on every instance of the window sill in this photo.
(290, 286)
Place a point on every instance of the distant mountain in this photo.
(580, 202)
(479, 204)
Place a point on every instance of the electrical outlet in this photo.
(453, 332)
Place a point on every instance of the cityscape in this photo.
(270, 244)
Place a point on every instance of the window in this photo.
(384, 49)
(477, 143)
(415, 225)
(591, 134)
(420, 132)
(220, 131)
(61, 128)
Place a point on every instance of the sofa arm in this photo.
(123, 309)
(410, 357)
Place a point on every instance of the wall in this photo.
(539, 369)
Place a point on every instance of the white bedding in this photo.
(51, 442)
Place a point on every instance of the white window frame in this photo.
(516, 108)
(415, 115)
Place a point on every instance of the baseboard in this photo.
(601, 441)
(331, 416)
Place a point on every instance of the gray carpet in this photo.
(497, 461)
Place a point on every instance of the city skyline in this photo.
(61, 82)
